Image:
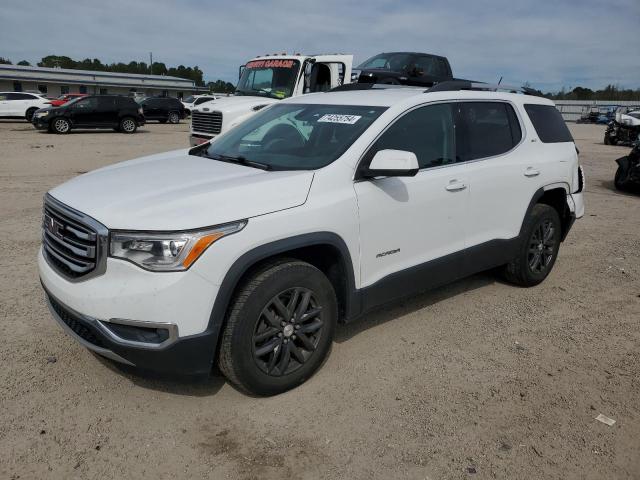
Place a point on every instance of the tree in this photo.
(24, 63)
(5, 61)
(220, 86)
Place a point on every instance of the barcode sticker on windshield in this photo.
(337, 118)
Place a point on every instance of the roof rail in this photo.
(370, 86)
(455, 85)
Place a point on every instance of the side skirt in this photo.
(435, 273)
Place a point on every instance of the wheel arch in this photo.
(554, 195)
(326, 251)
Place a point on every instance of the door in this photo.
(501, 176)
(415, 221)
(5, 105)
(84, 112)
(151, 109)
(107, 111)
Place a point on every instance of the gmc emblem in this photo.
(53, 226)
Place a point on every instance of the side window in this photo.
(13, 96)
(200, 100)
(106, 103)
(549, 124)
(86, 103)
(487, 129)
(426, 131)
(3, 97)
(427, 65)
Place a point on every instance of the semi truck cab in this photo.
(266, 80)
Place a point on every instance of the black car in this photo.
(404, 68)
(122, 114)
(164, 109)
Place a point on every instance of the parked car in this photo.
(62, 99)
(121, 113)
(195, 100)
(163, 109)
(404, 68)
(248, 250)
(21, 104)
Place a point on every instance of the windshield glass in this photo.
(189, 99)
(294, 136)
(388, 61)
(74, 100)
(269, 78)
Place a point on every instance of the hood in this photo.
(235, 104)
(178, 191)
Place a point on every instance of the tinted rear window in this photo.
(548, 123)
(490, 129)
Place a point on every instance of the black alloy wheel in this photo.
(542, 247)
(287, 332)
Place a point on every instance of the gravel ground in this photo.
(475, 380)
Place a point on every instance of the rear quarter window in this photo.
(549, 124)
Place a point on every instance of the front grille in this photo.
(206, 122)
(69, 243)
(75, 323)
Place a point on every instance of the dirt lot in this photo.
(476, 380)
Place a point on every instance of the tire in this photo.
(29, 114)
(538, 247)
(128, 125)
(258, 337)
(618, 180)
(61, 126)
(174, 117)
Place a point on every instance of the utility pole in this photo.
(151, 63)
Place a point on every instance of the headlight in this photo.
(41, 114)
(168, 252)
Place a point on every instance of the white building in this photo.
(57, 81)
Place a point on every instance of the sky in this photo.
(550, 44)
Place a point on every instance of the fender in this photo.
(624, 163)
(250, 258)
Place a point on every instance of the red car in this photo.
(62, 99)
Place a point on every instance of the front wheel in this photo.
(279, 329)
(174, 117)
(61, 126)
(128, 125)
(538, 247)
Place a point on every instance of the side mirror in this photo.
(308, 67)
(392, 163)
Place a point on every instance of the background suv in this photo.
(163, 109)
(313, 211)
(122, 114)
(21, 104)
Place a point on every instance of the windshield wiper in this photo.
(240, 160)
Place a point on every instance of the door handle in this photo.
(531, 172)
(455, 186)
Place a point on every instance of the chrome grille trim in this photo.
(206, 122)
(73, 244)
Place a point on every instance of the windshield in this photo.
(294, 136)
(74, 100)
(189, 99)
(388, 61)
(269, 78)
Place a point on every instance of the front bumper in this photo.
(187, 356)
(180, 302)
(196, 139)
(40, 123)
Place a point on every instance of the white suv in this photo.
(247, 251)
(21, 104)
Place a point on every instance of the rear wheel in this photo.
(174, 117)
(128, 125)
(61, 125)
(538, 248)
(29, 114)
(279, 329)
